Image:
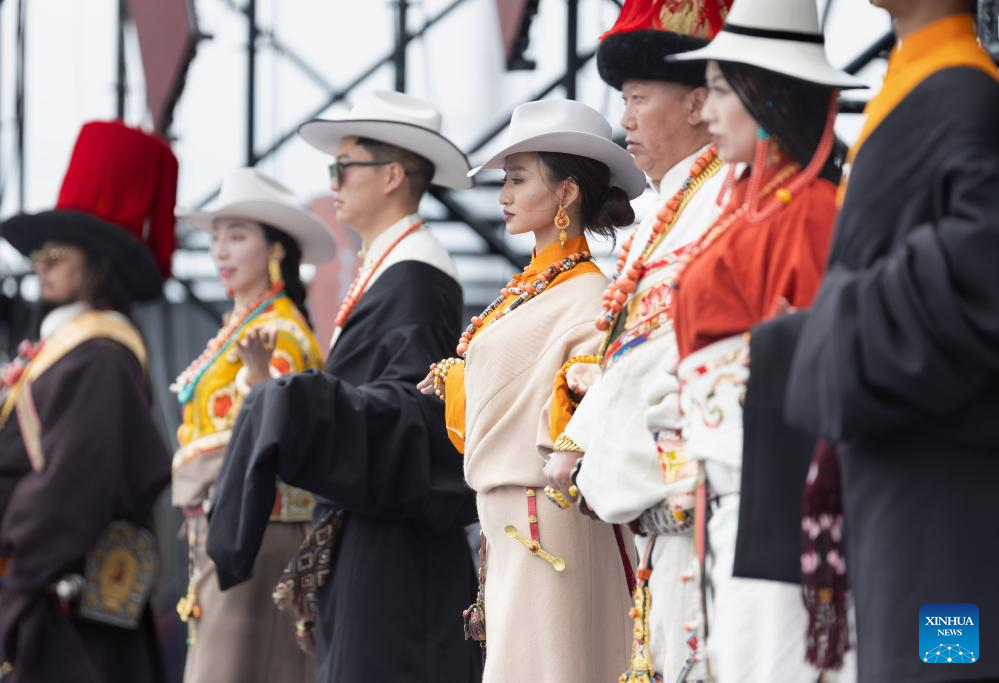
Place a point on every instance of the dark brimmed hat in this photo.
(647, 31)
(130, 259)
(116, 202)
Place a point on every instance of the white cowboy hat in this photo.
(247, 193)
(397, 119)
(777, 35)
(568, 127)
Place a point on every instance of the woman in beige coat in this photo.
(557, 590)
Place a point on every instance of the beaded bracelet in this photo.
(440, 371)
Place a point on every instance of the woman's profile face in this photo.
(528, 201)
(732, 128)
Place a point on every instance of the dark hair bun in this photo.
(614, 210)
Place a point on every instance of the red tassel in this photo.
(823, 564)
(636, 15)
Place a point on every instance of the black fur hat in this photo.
(642, 55)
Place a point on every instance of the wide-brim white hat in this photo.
(397, 119)
(568, 127)
(247, 193)
(782, 36)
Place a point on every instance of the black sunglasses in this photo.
(338, 168)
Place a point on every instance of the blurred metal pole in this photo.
(401, 43)
(251, 82)
(878, 48)
(3, 178)
(19, 103)
(571, 44)
(342, 93)
(120, 88)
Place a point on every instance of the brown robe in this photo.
(104, 461)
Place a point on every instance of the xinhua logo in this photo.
(948, 633)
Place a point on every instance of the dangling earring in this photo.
(562, 221)
(274, 272)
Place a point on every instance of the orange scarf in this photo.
(948, 43)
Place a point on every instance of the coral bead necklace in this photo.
(523, 292)
(730, 218)
(360, 284)
(625, 282)
(188, 380)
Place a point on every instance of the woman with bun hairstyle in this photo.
(260, 236)
(556, 589)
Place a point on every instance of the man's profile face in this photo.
(654, 111)
(62, 272)
(358, 189)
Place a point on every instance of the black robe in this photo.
(898, 362)
(104, 461)
(361, 436)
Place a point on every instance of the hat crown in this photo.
(799, 16)
(386, 105)
(249, 184)
(126, 177)
(556, 116)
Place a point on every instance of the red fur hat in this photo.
(127, 177)
(116, 202)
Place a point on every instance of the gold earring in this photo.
(274, 272)
(562, 222)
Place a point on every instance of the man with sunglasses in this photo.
(379, 585)
(81, 460)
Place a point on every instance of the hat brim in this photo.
(797, 59)
(639, 55)
(131, 260)
(624, 173)
(311, 234)
(450, 163)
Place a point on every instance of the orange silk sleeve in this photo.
(563, 405)
(454, 406)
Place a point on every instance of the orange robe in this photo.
(753, 271)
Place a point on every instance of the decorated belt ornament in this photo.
(118, 577)
(642, 669)
(666, 519)
(533, 544)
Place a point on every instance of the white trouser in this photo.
(756, 628)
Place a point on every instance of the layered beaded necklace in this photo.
(625, 282)
(782, 198)
(360, 284)
(523, 292)
(186, 382)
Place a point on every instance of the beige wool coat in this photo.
(542, 625)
